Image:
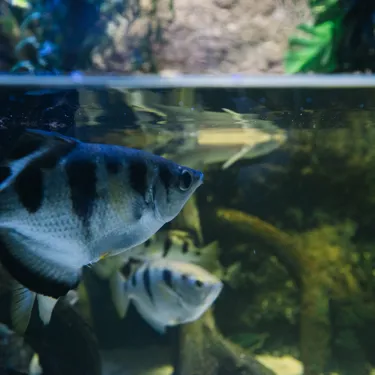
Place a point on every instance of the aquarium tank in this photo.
(187, 188)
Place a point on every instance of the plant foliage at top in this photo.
(341, 39)
(316, 49)
(53, 35)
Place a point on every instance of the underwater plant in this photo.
(41, 40)
(341, 38)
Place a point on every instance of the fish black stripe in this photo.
(147, 283)
(5, 172)
(28, 185)
(167, 278)
(134, 279)
(36, 282)
(148, 243)
(138, 176)
(185, 247)
(82, 181)
(166, 178)
(167, 246)
(112, 164)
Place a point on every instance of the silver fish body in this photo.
(65, 203)
(168, 293)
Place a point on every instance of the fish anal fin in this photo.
(237, 156)
(51, 268)
(21, 308)
(210, 258)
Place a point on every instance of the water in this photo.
(289, 196)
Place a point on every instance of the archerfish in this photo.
(65, 204)
(176, 245)
(168, 293)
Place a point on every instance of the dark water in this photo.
(293, 215)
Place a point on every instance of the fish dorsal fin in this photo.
(44, 149)
(31, 141)
(54, 136)
(210, 259)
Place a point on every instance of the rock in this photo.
(227, 4)
(208, 36)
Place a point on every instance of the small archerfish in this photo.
(175, 245)
(65, 204)
(168, 293)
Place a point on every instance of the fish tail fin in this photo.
(119, 293)
(21, 307)
(45, 305)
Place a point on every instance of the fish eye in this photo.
(186, 179)
(198, 283)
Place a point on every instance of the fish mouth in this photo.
(218, 287)
(198, 177)
(201, 177)
(215, 291)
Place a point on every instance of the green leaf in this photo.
(325, 10)
(314, 52)
(24, 4)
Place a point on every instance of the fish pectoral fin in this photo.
(119, 295)
(40, 263)
(168, 293)
(45, 305)
(21, 308)
(147, 316)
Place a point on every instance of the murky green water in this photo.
(289, 195)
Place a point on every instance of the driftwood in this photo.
(317, 267)
(201, 349)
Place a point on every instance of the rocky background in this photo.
(202, 36)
